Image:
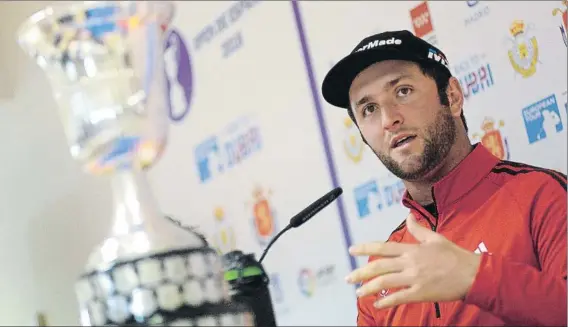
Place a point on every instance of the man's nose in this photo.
(391, 117)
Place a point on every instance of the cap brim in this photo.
(337, 82)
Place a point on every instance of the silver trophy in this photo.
(104, 61)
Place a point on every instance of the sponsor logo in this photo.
(224, 239)
(492, 138)
(481, 248)
(374, 195)
(179, 78)
(437, 57)
(479, 12)
(474, 74)
(379, 43)
(232, 146)
(542, 119)
(523, 53)
(352, 142)
(309, 280)
(263, 216)
(563, 23)
(422, 22)
(421, 19)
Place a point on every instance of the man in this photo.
(485, 240)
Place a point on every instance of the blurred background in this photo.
(248, 124)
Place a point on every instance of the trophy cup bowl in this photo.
(104, 62)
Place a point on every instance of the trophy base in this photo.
(175, 288)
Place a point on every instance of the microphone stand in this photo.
(248, 283)
(246, 276)
(248, 279)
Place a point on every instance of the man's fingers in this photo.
(377, 284)
(383, 249)
(375, 268)
(403, 296)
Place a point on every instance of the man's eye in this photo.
(403, 91)
(368, 109)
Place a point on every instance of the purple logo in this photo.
(179, 75)
(472, 3)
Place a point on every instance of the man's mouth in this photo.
(398, 142)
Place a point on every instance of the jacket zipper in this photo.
(436, 304)
(433, 227)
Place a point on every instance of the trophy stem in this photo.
(148, 271)
(134, 206)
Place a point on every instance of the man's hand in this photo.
(431, 271)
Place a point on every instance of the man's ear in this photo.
(455, 97)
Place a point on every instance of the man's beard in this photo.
(439, 139)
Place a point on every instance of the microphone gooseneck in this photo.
(280, 233)
(303, 216)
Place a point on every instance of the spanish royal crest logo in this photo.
(563, 23)
(224, 239)
(264, 220)
(523, 54)
(352, 142)
(493, 139)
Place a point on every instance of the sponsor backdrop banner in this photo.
(252, 142)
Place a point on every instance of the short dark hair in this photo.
(442, 79)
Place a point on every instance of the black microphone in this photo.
(303, 216)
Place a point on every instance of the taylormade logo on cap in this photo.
(378, 43)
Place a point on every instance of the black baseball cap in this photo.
(392, 45)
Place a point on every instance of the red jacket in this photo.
(515, 216)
